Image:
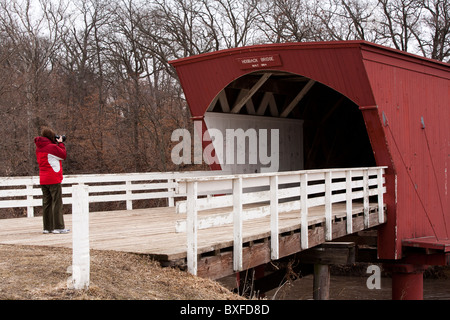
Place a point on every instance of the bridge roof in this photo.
(340, 65)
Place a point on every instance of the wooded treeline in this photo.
(98, 70)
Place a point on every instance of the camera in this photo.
(58, 136)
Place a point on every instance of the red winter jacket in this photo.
(49, 157)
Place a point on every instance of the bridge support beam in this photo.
(407, 281)
(321, 282)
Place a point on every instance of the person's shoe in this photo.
(61, 231)
(46, 231)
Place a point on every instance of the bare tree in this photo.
(180, 27)
(84, 63)
(343, 20)
(36, 39)
(399, 21)
(359, 17)
(236, 21)
(285, 20)
(434, 40)
(159, 96)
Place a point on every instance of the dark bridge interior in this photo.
(334, 132)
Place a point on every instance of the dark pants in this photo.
(52, 207)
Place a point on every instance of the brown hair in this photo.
(48, 133)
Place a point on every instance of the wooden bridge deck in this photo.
(152, 232)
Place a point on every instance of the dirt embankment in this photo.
(35, 273)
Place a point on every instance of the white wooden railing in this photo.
(16, 192)
(274, 193)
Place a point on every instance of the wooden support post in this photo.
(321, 282)
(304, 210)
(80, 238)
(274, 245)
(237, 221)
(191, 227)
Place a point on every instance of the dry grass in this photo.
(36, 273)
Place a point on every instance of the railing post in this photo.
(191, 226)
(328, 207)
(30, 208)
(171, 191)
(274, 249)
(128, 195)
(349, 200)
(80, 237)
(304, 210)
(380, 196)
(366, 197)
(237, 221)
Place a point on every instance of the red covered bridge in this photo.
(346, 104)
(355, 128)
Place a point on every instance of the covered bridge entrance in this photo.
(341, 105)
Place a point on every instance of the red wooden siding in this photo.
(408, 90)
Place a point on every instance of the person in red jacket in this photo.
(50, 153)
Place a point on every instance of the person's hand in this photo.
(59, 140)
